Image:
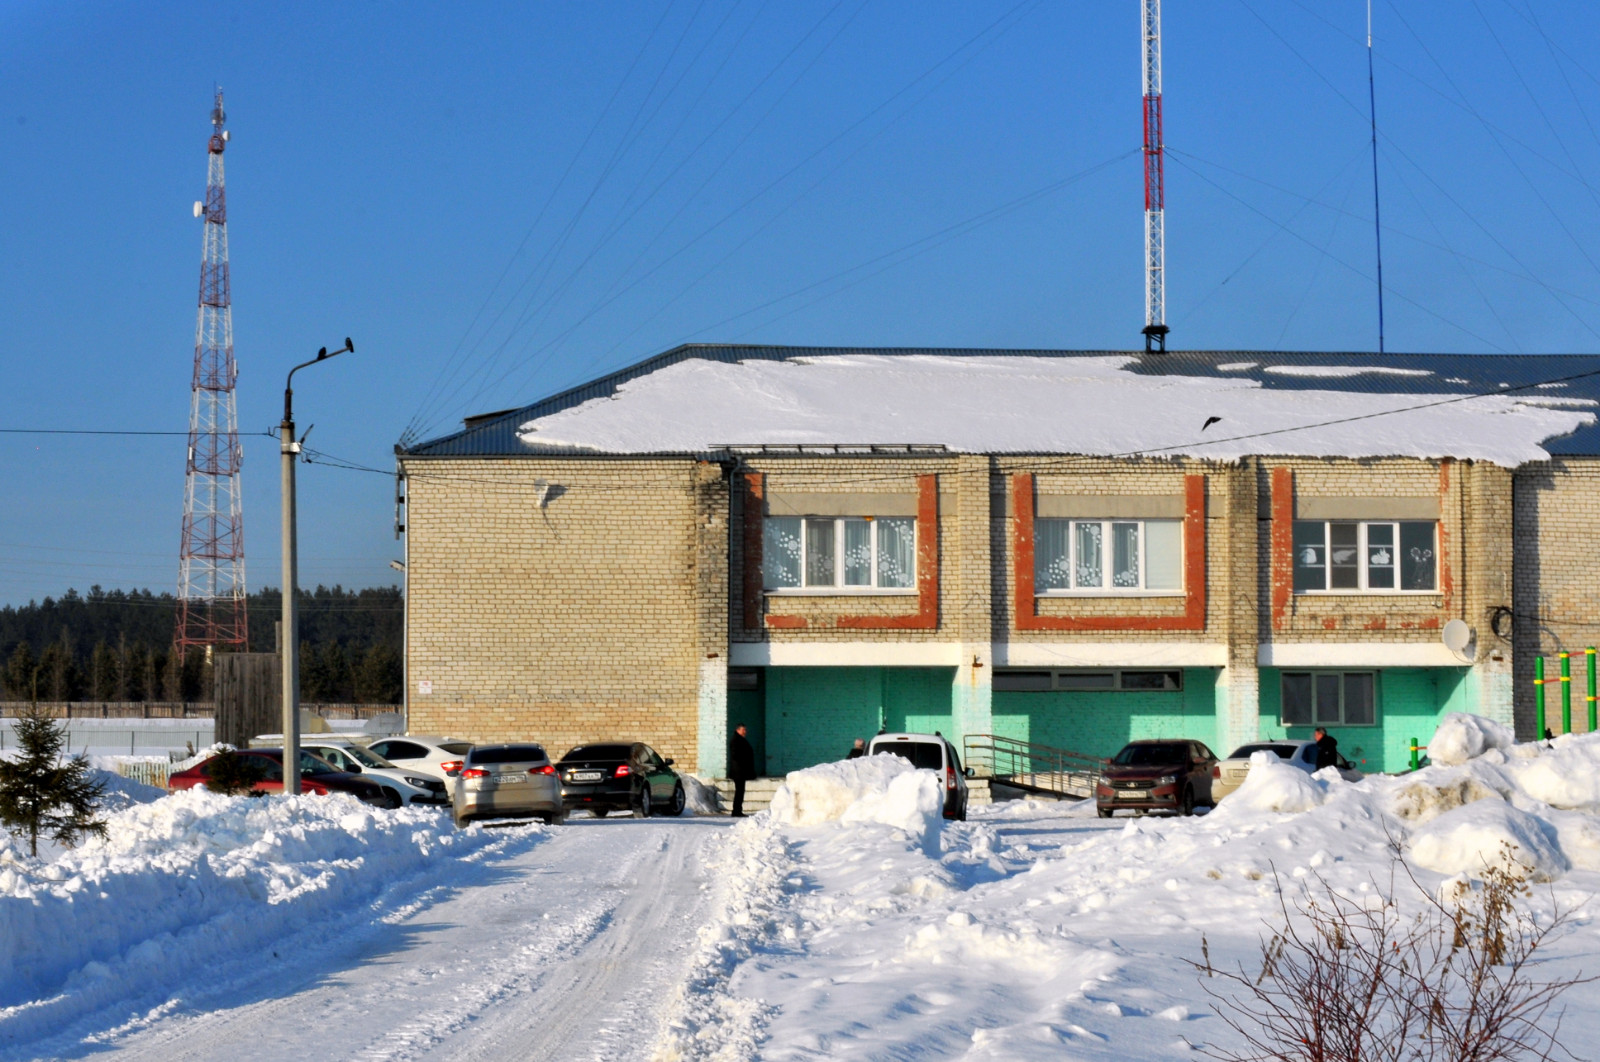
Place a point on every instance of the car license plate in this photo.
(1130, 794)
(511, 776)
(586, 776)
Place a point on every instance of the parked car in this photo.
(930, 752)
(316, 776)
(508, 781)
(1162, 774)
(400, 785)
(437, 757)
(620, 776)
(1230, 773)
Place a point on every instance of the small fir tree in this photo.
(42, 793)
(231, 774)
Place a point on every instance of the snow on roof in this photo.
(1021, 404)
(1338, 371)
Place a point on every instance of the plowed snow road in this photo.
(566, 950)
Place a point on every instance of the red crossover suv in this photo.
(1164, 774)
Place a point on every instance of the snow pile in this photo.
(698, 797)
(191, 878)
(1273, 785)
(1012, 403)
(1564, 774)
(884, 789)
(1462, 737)
(1484, 834)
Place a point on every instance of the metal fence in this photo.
(1039, 768)
(97, 738)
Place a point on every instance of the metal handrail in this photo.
(1032, 765)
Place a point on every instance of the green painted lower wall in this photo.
(813, 714)
(1410, 702)
(1098, 724)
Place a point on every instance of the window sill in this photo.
(1370, 593)
(841, 591)
(1101, 593)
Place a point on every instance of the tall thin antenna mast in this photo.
(1155, 241)
(1377, 227)
(211, 589)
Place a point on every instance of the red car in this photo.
(316, 776)
(1165, 774)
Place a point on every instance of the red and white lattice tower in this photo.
(1155, 240)
(211, 588)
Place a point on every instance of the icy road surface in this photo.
(565, 949)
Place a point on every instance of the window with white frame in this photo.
(1365, 556)
(843, 553)
(1107, 556)
(1329, 698)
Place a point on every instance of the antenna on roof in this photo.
(1377, 229)
(1155, 294)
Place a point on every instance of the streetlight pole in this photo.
(289, 641)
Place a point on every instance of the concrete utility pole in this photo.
(289, 641)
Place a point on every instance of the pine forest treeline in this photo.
(115, 645)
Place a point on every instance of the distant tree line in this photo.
(115, 645)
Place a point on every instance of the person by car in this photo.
(1327, 748)
(858, 750)
(741, 767)
(1230, 773)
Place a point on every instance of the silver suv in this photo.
(931, 752)
(499, 781)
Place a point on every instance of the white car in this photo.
(436, 757)
(1229, 774)
(400, 785)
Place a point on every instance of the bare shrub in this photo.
(1354, 979)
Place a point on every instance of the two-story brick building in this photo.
(1068, 548)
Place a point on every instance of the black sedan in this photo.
(620, 776)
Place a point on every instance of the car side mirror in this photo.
(667, 761)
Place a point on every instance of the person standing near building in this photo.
(858, 750)
(741, 767)
(1327, 748)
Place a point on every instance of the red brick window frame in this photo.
(926, 617)
(1027, 616)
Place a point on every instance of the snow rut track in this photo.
(567, 950)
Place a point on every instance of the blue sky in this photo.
(497, 201)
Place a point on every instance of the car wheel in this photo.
(679, 799)
(1104, 813)
(641, 810)
(1186, 803)
(961, 813)
(392, 799)
(598, 813)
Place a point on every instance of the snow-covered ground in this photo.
(849, 922)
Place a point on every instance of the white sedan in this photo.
(1229, 774)
(401, 785)
(436, 757)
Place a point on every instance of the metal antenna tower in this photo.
(1155, 240)
(211, 588)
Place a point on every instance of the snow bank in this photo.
(1012, 403)
(699, 798)
(1273, 785)
(1565, 774)
(1471, 839)
(183, 881)
(884, 789)
(1462, 737)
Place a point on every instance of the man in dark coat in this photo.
(1327, 748)
(858, 750)
(741, 767)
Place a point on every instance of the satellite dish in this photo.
(1456, 636)
(198, 207)
(224, 136)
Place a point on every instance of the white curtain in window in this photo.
(897, 551)
(819, 552)
(1052, 563)
(1125, 555)
(1091, 566)
(857, 552)
(1163, 554)
(780, 551)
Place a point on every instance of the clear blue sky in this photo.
(548, 191)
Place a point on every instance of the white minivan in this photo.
(931, 752)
